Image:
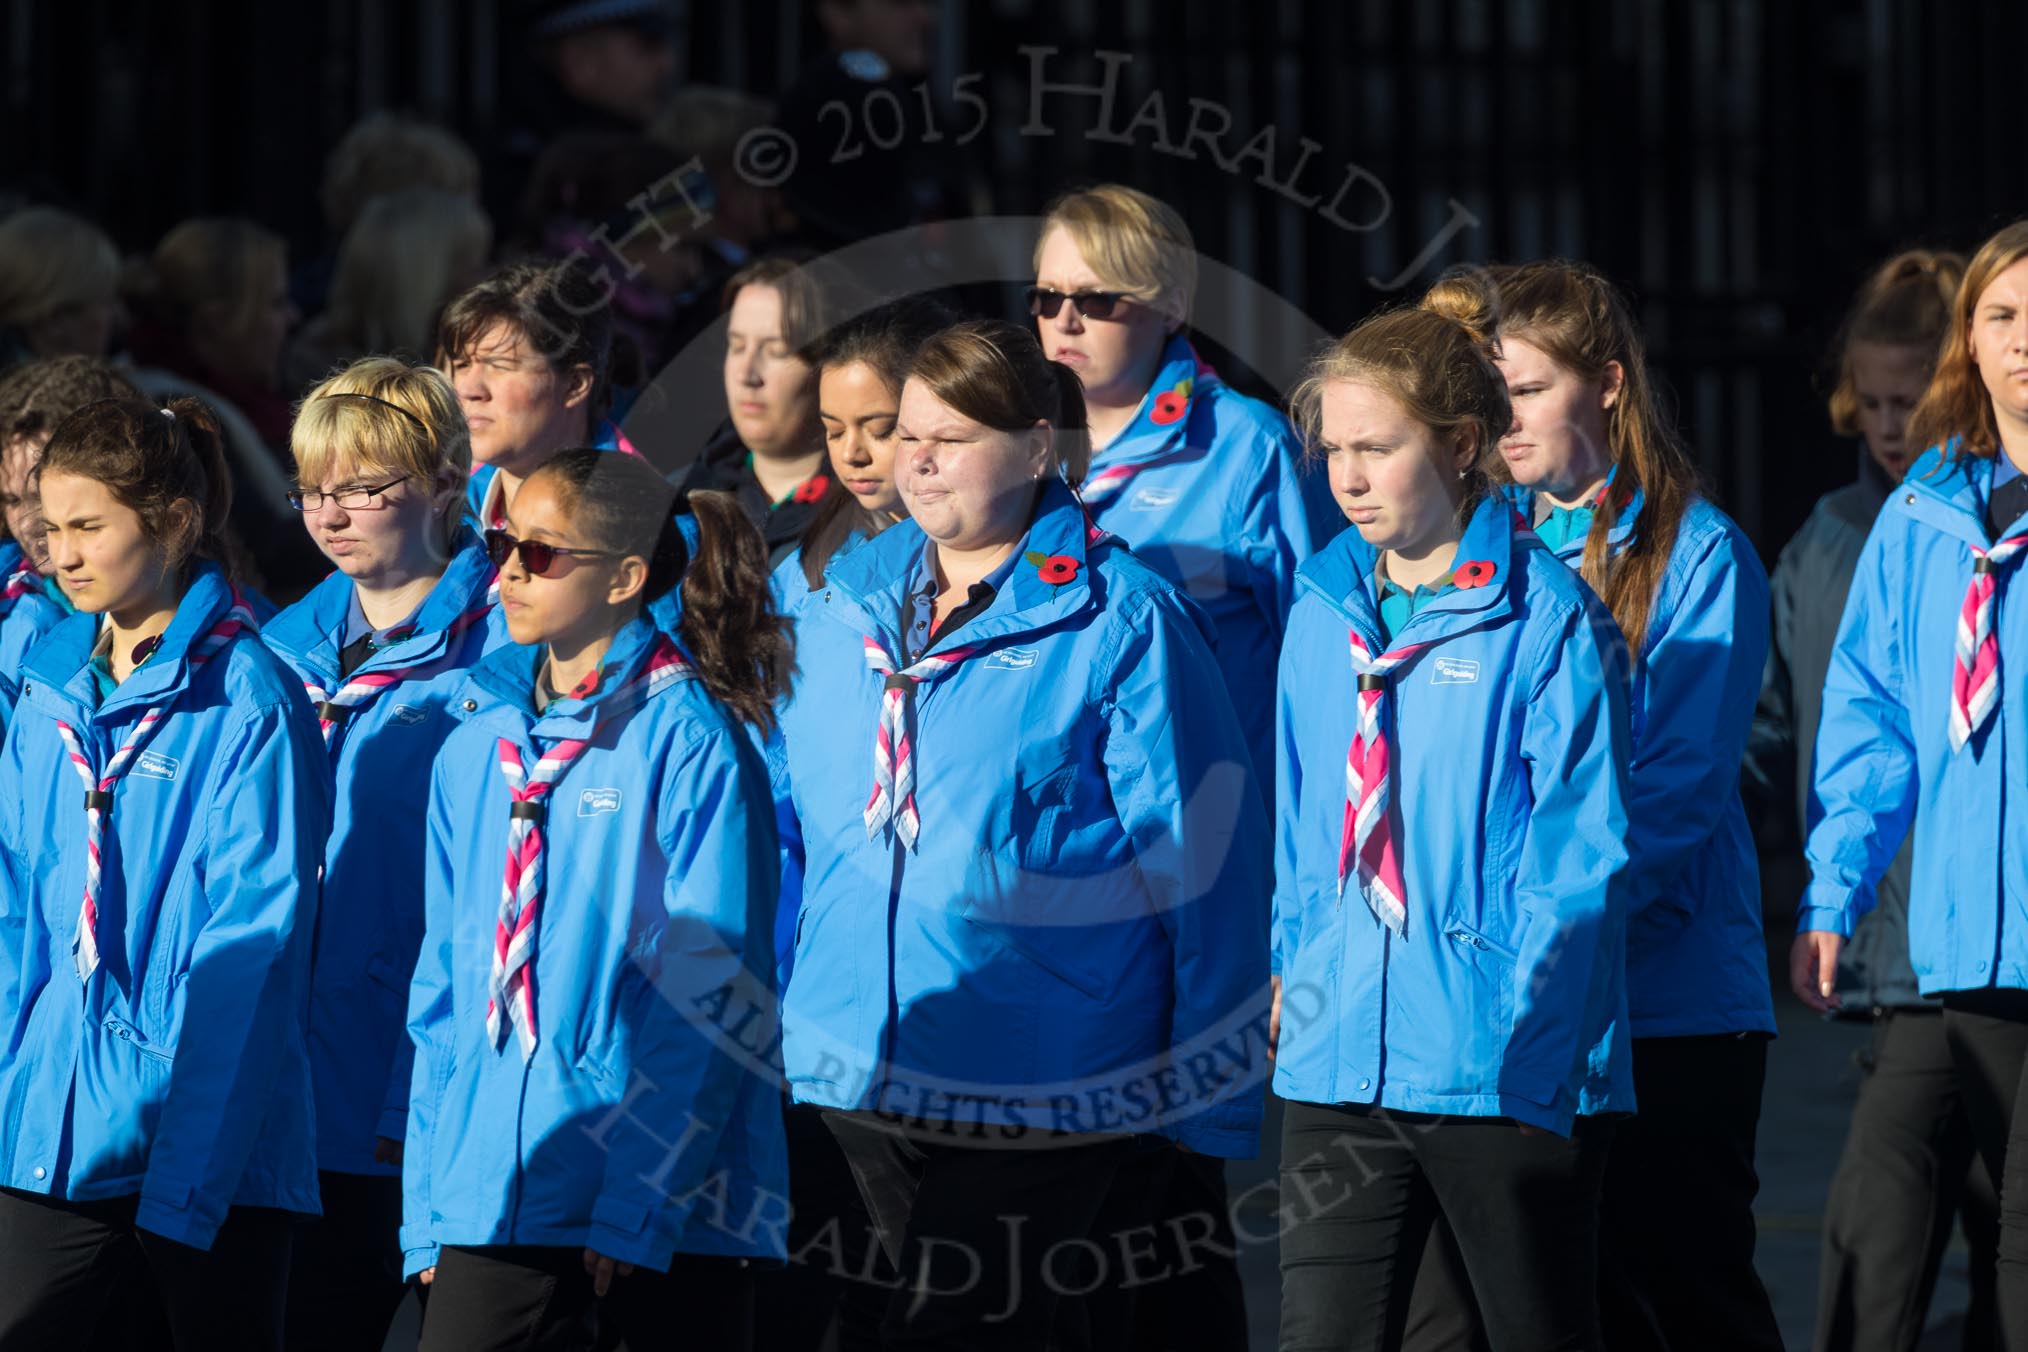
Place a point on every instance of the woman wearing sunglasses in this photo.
(594, 1125)
(380, 646)
(1203, 483)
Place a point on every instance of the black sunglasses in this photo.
(1043, 303)
(536, 557)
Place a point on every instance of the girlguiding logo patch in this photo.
(1455, 671)
(151, 766)
(593, 802)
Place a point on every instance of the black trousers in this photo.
(63, 1260)
(1988, 1036)
(837, 1279)
(1362, 1189)
(1172, 1261)
(985, 1240)
(526, 1298)
(1908, 1170)
(1677, 1235)
(345, 1280)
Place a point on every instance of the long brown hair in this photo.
(884, 341)
(1956, 403)
(1906, 303)
(150, 461)
(738, 642)
(1582, 322)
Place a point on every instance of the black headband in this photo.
(376, 399)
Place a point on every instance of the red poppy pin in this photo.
(1477, 573)
(1055, 569)
(1171, 405)
(584, 688)
(812, 489)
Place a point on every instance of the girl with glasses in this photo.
(167, 804)
(594, 1134)
(379, 647)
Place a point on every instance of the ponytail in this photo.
(737, 641)
(152, 460)
(740, 644)
(197, 427)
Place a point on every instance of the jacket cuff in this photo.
(416, 1259)
(1825, 911)
(1538, 1101)
(170, 1210)
(394, 1125)
(627, 1231)
(1226, 1139)
(1555, 1118)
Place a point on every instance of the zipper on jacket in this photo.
(1469, 938)
(130, 1035)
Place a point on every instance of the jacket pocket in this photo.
(1660, 918)
(1478, 1046)
(135, 1038)
(1037, 952)
(1467, 937)
(383, 973)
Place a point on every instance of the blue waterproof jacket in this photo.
(647, 1120)
(371, 921)
(30, 606)
(1696, 955)
(1884, 762)
(1505, 995)
(1078, 941)
(178, 1072)
(1216, 500)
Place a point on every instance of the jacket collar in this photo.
(1342, 575)
(60, 661)
(1523, 500)
(1947, 491)
(1161, 424)
(870, 582)
(501, 688)
(311, 632)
